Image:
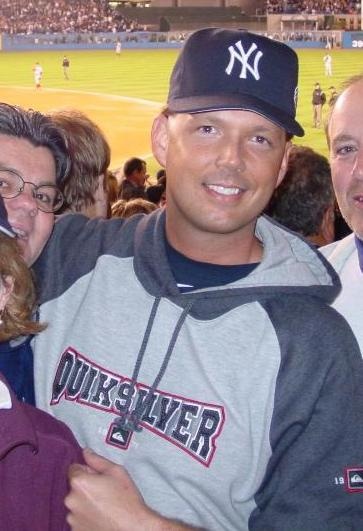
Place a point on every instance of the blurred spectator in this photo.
(117, 208)
(112, 187)
(85, 188)
(304, 201)
(125, 209)
(160, 174)
(134, 179)
(156, 194)
(161, 179)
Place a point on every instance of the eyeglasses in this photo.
(47, 196)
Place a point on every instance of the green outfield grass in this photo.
(144, 74)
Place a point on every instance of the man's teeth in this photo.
(224, 190)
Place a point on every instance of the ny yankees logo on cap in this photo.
(243, 57)
(221, 69)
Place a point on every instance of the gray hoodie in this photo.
(233, 408)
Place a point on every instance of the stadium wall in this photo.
(353, 40)
(101, 41)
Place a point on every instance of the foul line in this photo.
(114, 97)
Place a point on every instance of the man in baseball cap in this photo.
(226, 397)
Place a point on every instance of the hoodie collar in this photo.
(289, 264)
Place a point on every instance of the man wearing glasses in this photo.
(33, 161)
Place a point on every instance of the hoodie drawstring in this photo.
(131, 420)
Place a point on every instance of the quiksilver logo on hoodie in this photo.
(354, 479)
(191, 425)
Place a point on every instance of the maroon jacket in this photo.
(35, 453)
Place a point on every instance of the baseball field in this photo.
(123, 93)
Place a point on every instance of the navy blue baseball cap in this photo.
(220, 69)
(5, 226)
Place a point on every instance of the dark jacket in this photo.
(16, 364)
(318, 97)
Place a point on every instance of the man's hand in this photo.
(103, 497)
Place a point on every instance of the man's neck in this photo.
(218, 249)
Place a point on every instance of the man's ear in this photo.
(284, 163)
(159, 139)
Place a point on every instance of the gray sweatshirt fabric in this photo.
(233, 408)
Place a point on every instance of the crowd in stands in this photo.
(62, 16)
(83, 16)
(312, 7)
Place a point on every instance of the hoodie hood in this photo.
(290, 265)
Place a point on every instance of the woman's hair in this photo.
(126, 209)
(17, 314)
(89, 154)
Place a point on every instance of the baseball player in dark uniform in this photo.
(318, 100)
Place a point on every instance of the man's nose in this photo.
(232, 156)
(358, 165)
(24, 201)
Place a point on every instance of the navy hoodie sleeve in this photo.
(316, 432)
(74, 248)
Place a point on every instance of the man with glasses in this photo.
(33, 161)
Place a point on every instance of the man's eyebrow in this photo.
(5, 167)
(343, 137)
(45, 182)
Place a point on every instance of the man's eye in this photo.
(261, 140)
(6, 184)
(344, 150)
(207, 129)
(44, 198)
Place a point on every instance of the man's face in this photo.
(141, 176)
(222, 168)
(346, 155)
(36, 165)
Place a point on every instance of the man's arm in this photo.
(316, 432)
(103, 496)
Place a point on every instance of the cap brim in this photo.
(241, 102)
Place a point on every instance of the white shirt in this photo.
(343, 256)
